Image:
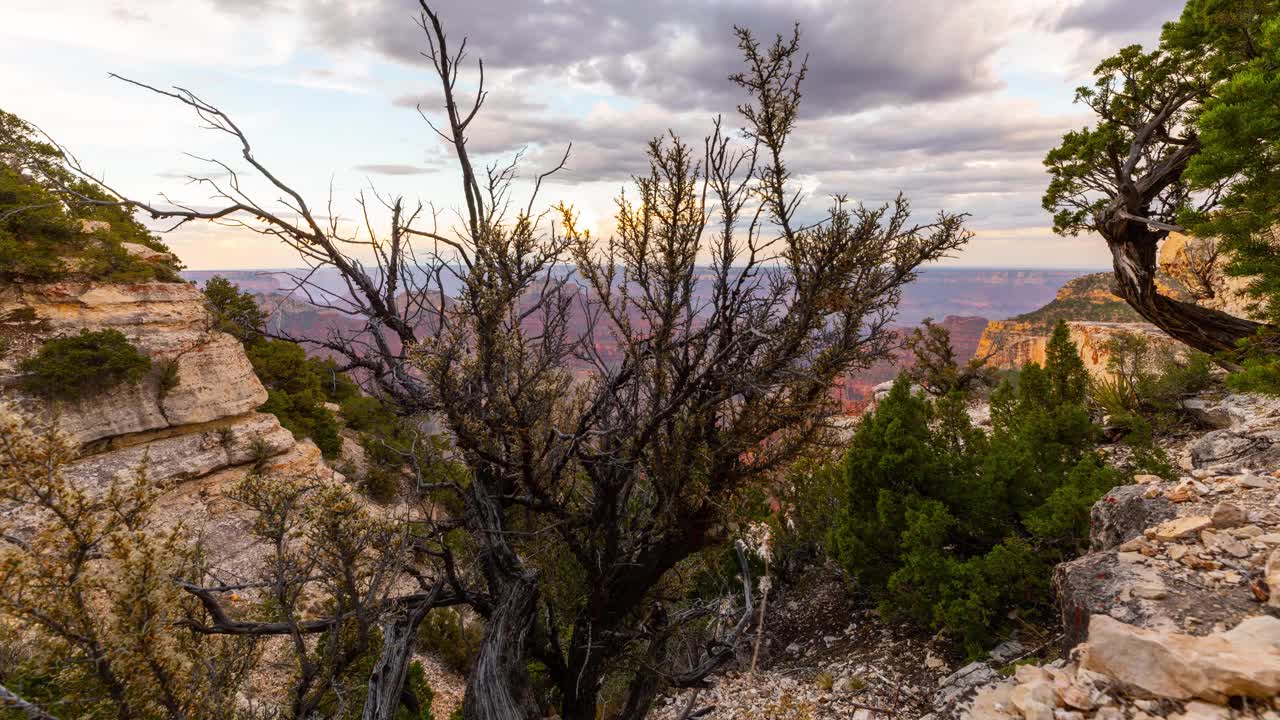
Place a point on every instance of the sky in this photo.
(952, 102)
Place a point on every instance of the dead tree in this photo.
(611, 398)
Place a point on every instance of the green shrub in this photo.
(1150, 381)
(41, 237)
(298, 386)
(77, 366)
(415, 682)
(1259, 365)
(808, 497)
(236, 313)
(1143, 393)
(346, 700)
(446, 634)
(295, 392)
(168, 377)
(954, 528)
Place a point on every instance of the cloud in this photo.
(1119, 17)
(394, 169)
(954, 102)
(679, 54)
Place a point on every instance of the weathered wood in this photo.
(498, 686)
(1133, 252)
(386, 682)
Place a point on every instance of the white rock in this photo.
(1273, 577)
(1197, 710)
(1228, 515)
(1243, 661)
(1253, 481)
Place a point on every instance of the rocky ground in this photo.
(1172, 614)
(826, 655)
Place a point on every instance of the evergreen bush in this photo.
(955, 528)
(78, 366)
(43, 216)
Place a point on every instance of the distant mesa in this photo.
(1190, 271)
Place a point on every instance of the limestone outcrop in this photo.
(1243, 661)
(1197, 264)
(1013, 343)
(198, 375)
(191, 422)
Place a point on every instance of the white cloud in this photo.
(954, 102)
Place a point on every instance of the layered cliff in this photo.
(1197, 264)
(1093, 312)
(191, 421)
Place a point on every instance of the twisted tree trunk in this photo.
(386, 682)
(498, 686)
(1133, 253)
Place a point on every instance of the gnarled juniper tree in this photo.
(593, 476)
(1169, 149)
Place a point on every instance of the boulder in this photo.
(963, 683)
(1272, 572)
(224, 524)
(1140, 593)
(1228, 451)
(1243, 661)
(1182, 527)
(1035, 700)
(1209, 412)
(1228, 515)
(214, 379)
(1197, 710)
(146, 254)
(1122, 514)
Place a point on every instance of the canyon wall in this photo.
(191, 421)
(1094, 314)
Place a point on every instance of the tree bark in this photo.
(580, 691)
(498, 686)
(386, 682)
(1133, 254)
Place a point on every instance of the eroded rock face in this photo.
(1185, 258)
(222, 522)
(198, 375)
(1017, 343)
(190, 424)
(193, 453)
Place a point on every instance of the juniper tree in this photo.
(935, 368)
(1176, 142)
(592, 479)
